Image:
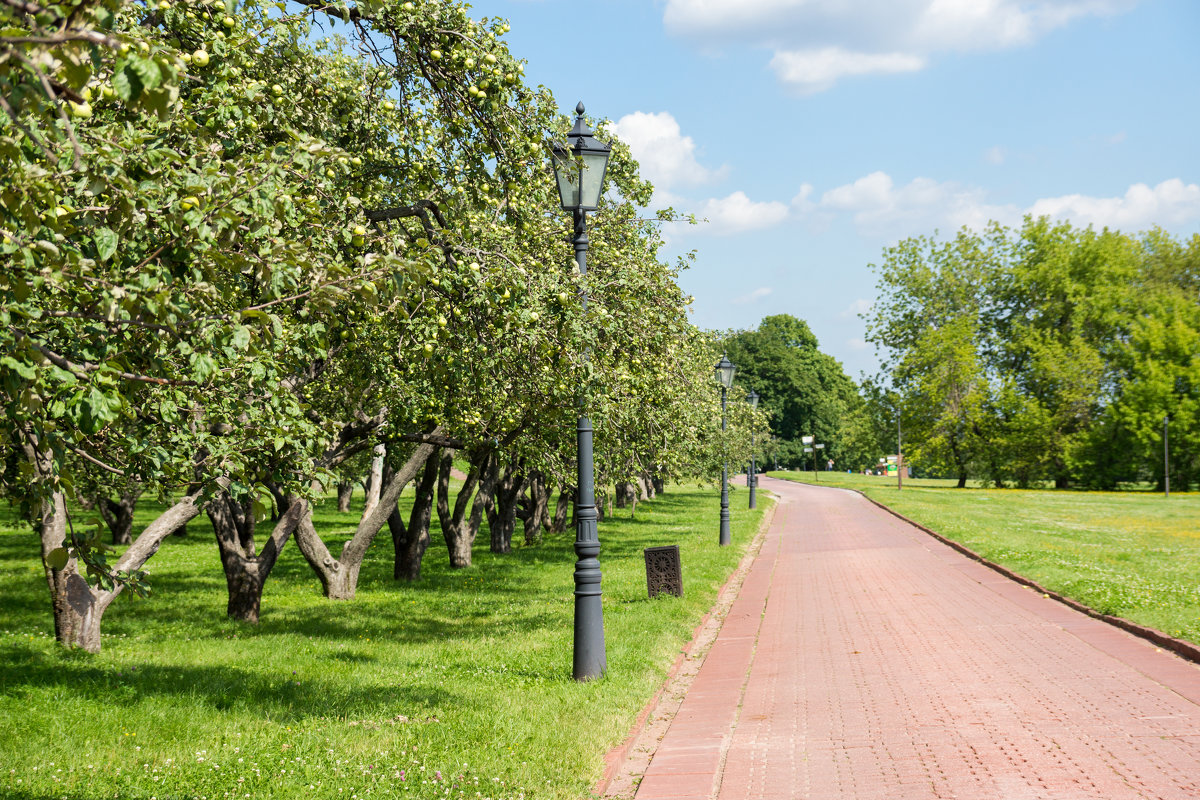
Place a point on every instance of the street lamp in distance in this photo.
(752, 478)
(724, 374)
(579, 167)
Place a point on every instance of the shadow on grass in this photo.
(283, 697)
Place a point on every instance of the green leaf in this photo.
(57, 558)
(106, 243)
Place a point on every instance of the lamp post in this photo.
(1167, 458)
(579, 167)
(752, 479)
(899, 454)
(724, 372)
(816, 467)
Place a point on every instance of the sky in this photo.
(813, 134)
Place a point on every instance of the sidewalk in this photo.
(864, 659)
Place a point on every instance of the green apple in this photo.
(200, 57)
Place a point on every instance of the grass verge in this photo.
(1134, 555)
(455, 687)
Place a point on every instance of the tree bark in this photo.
(458, 529)
(534, 510)
(78, 607)
(118, 513)
(566, 499)
(412, 540)
(344, 492)
(502, 512)
(625, 493)
(339, 576)
(282, 501)
(245, 570)
(375, 481)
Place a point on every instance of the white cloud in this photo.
(757, 294)
(880, 208)
(812, 71)
(857, 344)
(665, 156)
(817, 42)
(859, 306)
(1171, 202)
(737, 213)
(995, 155)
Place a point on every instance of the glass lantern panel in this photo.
(566, 172)
(593, 167)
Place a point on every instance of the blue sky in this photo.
(814, 133)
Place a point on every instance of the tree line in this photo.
(805, 392)
(256, 250)
(1043, 353)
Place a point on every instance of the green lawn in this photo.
(1130, 554)
(458, 686)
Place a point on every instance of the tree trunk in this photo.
(339, 576)
(659, 484)
(962, 480)
(282, 501)
(344, 492)
(647, 485)
(624, 492)
(245, 571)
(458, 529)
(118, 514)
(502, 513)
(375, 481)
(566, 499)
(78, 608)
(535, 510)
(412, 541)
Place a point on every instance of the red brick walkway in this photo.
(864, 659)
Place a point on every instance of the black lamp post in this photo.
(752, 479)
(579, 167)
(724, 372)
(1167, 457)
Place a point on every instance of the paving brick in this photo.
(865, 659)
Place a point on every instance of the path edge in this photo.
(696, 649)
(1185, 650)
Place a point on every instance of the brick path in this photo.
(864, 659)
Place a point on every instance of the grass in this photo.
(457, 686)
(1134, 555)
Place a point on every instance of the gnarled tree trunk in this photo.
(118, 513)
(375, 480)
(458, 529)
(502, 512)
(245, 570)
(562, 509)
(412, 540)
(339, 576)
(345, 491)
(534, 509)
(78, 607)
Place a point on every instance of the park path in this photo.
(863, 658)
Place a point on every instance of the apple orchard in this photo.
(254, 251)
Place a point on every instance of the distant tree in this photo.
(804, 391)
